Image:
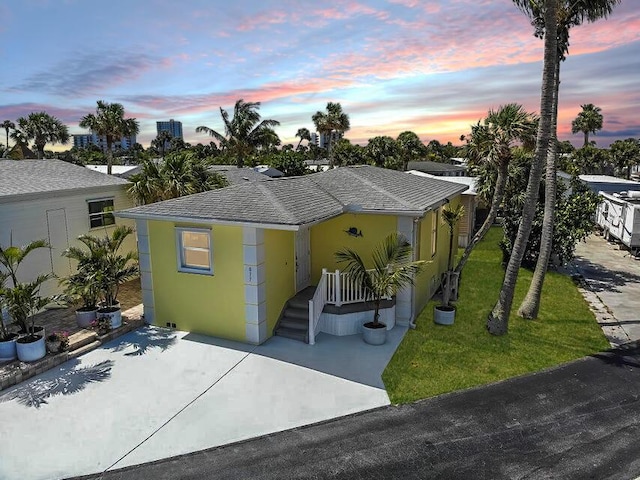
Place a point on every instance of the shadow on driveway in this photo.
(144, 339)
(602, 279)
(67, 379)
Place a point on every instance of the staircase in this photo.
(294, 319)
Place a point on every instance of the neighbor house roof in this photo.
(235, 175)
(22, 179)
(116, 170)
(435, 167)
(470, 182)
(296, 201)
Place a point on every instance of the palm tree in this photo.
(43, 128)
(335, 120)
(391, 271)
(451, 217)
(570, 14)
(161, 141)
(492, 143)
(245, 133)
(8, 125)
(411, 148)
(20, 297)
(109, 122)
(182, 173)
(304, 134)
(498, 319)
(589, 120)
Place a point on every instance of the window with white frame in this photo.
(101, 212)
(434, 232)
(194, 250)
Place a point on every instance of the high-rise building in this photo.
(172, 126)
(86, 139)
(322, 139)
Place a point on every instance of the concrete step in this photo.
(81, 338)
(301, 303)
(84, 349)
(292, 333)
(296, 323)
(301, 313)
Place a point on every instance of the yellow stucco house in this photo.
(244, 262)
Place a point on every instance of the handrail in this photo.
(316, 305)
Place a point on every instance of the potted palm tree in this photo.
(114, 269)
(445, 313)
(392, 270)
(82, 288)
(7, 338)
(24, 301)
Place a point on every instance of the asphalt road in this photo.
(578, 421)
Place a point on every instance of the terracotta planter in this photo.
(114, 314)
(86, 315)
(30, 351)
(8, 349)
(374, 335)
(444, 315)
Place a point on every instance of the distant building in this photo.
(86, 139)
(322, 139)
(438, 169)
(172, 126)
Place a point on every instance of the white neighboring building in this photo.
(56, 201)
(466, 226)
(83, 140)
(618, 215)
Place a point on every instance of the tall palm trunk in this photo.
(109, 155)
(531, 303)
(498, 320)
(586, 139)
(498, 196)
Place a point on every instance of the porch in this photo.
(336, 306)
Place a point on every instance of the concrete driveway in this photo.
(156, 393)
(613, 275)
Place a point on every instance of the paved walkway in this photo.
(155, 393)
(613, 280)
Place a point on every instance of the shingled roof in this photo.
(302, 200)
(31, 178)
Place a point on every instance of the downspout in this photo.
(412, 324)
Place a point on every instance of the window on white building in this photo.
(101, 212)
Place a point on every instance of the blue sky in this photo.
(431, 67)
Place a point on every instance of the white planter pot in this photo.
(444, 315)
(8, 350)
(374, 336)
(114, 314)
(84, 317)
(29, 352)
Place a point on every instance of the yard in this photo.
(436, 359)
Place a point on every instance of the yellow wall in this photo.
(209, 304)
(430, 275)
(329, 237)
(280, 272)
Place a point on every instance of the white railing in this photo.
(316, 305)
(334, 288)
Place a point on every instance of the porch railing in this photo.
(316, 305)
(334, 288)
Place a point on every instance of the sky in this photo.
(432, 67)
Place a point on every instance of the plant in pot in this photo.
(82, 288)
(7, 337)
(445, 313)
(11, 258)
(392, 270)
(24, 301)
(114, 269)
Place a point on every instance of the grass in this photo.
(435, 359)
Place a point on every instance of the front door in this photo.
(303, 259)
(59, 241)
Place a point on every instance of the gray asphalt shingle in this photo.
(24, 177)
(302, 200)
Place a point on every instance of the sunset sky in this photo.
(433, 67)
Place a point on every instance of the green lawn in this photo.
(435, 359)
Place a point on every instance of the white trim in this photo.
(206, 221)
(180, 251)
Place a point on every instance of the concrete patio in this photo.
(155, 393)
